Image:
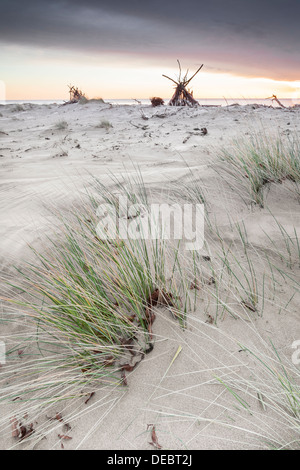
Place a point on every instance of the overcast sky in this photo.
(257, 38)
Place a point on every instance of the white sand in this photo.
(40, 165)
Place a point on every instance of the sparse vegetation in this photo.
(263, 159)
(88, 299)
(104, 124)
(92, 298)
(276, 385)
(254, 394)
(61, 125)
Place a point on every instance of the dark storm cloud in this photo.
(258, 37)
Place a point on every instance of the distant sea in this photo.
(211, 102)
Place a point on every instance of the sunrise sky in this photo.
(121, 48)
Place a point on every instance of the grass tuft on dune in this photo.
(264, 158)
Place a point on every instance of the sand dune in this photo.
(48, 155)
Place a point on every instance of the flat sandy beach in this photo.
(48, 156)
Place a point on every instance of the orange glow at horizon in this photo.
(145, 83)
(35, 74)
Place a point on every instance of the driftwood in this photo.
(143, 116)
(274, 98)
(144, 128)
(181, 96)
(203, 131)
(166, 114)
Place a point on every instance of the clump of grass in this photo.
(91, 299)
(61, 125)
(104, 124)
(262, 159)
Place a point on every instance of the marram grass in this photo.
(84, 301)
(263, 158)
(89, 300)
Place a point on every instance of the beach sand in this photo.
(44, 162)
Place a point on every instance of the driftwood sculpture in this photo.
(75, 95)
(183, 97)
